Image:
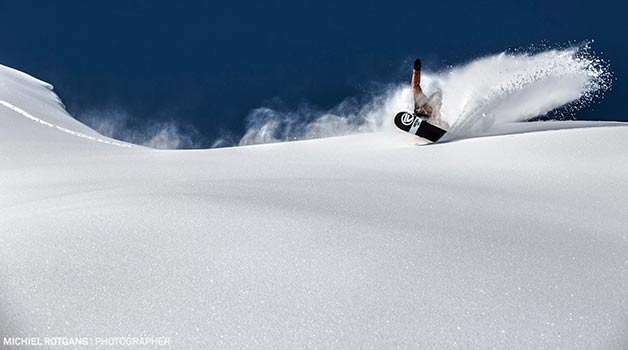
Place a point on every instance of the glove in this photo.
(417, 64)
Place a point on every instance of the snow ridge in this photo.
(60, 128)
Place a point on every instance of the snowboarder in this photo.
(426, 108)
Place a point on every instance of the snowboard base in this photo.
(414, 125)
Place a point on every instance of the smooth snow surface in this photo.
(517, 241)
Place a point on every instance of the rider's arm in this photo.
(416, 77)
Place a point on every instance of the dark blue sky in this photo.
(207, 63)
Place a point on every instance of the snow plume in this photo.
(515, 87)
(502, 88)
(277, 124)
(156, 134)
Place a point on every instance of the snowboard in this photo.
(414, 125)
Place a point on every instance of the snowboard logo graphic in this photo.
(407, 119)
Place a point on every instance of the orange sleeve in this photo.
(416, 82)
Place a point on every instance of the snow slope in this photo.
(367, 241)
